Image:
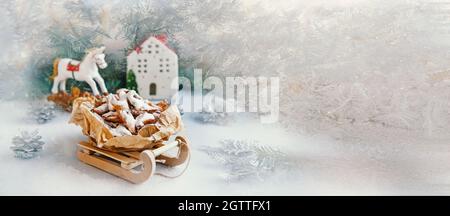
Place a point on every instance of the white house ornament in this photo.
(155, 66)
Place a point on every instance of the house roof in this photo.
(161, 38)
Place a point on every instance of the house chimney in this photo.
(162, 38)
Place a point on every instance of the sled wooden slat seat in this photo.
(125, 161)
(134, 155)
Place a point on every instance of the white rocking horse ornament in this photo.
(86, 70)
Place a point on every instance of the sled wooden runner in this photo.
(135, 167)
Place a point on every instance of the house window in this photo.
(149, 52)
(156, 51)
(156, 45)
(152, 89)
(149, 46)
(168, 70)
(139, 60)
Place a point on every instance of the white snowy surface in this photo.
(325, 166)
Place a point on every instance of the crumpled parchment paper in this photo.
(148, 137)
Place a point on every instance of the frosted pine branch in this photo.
(245, 159)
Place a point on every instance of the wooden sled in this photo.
(135, 167)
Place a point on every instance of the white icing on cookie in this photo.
(137, 101)
(130, 122)
(142, 118)
(120, 131)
